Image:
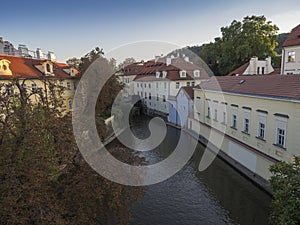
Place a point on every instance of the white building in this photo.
(6, 47)
(291, 53)
(161, 79)
(255, 67)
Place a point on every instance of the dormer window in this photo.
(48, 69)
(157, 74)
(196, 73)
(164, 74)
(183, 73)
(4, 67)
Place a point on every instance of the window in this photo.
(291, 57)
(193, 83)
(246, 125)
(138, 93)
(234, 117)
(258, 70)
(48, 69)
(149, 85)
(164, 74)
(262, 121)
(70, 104)
(224, 118)
(196, 73)
(263, 70)
(233, 125)
(145, 85)
(137, 85)
(24, 87)
(216, 115)
(33, 88)
(280, 137)
(164, 98)
(177, 85)
(4, 67)
(157, 97)
(208, 112)
(188, 83)
(261, 130)
(150, 96)
(68, 86)
(157, 74)
(145, 95)
(281, 124)
(182, 73)
(74, 85)
(61, 85)
(247, 112)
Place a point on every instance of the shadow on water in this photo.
(219, 195)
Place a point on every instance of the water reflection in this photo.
(219, 195)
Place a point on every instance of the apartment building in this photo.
(291, 53)
(255, 119)
(36, 74)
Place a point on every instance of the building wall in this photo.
(184, 107)
(259, 66)
(128, 89)
(173, 115)
(69, 85)
(290, 67)
(239, 144)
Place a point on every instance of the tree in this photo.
(254, 36)
(43, 177)
(126, 62)
(285, 184)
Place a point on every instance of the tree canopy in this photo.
(285, 184)
(241, 40)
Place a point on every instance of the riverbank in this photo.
(254, 178)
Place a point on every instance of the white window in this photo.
(196, 73)
(68, 85)
(198, 103)
(216, 115)
(262, 121)
(164, 98)
(224, 118)
(177, 85)
(291, 56)
(157, 97)
(193, 83)
(281, 124)
(246, 121)
(208, 113)
(188, 83)
(234, 117)
(183, 73)
(164, 73)
(149, 85)
(157, 74)
(61, 84)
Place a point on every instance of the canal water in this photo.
(219, 195)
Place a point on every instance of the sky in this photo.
(140, 29)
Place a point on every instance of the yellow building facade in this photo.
(255, 120)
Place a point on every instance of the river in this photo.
(219, 195)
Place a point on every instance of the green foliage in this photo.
(285, 184)
(254, 36)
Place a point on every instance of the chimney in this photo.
(39, 53)
(168, 61)
(187, 59)
(51, 56)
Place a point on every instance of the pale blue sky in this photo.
(72, 28)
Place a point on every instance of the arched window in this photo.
(48, 69)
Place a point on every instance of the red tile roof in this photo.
(150, 68)
(240, 70)
(293, 38)
(279, 86)
(26, 68)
